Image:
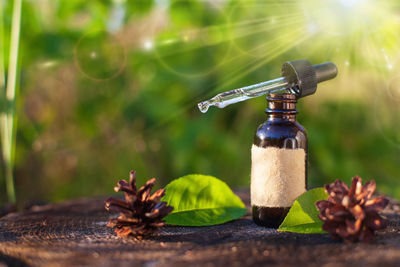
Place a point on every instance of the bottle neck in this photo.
(281, 107)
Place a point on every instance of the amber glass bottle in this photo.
(279, 162)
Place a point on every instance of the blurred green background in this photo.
(110, 86)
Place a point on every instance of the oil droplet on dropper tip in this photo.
(203, 106)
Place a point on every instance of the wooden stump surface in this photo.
(74, 233)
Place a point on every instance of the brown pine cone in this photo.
(141, 214)
(352, 214)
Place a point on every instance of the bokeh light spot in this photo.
(148, 45)
(100, 56)
(197, 41)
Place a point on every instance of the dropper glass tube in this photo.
(299, 78)
(279, 85)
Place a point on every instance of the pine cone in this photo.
(141, 214)
(352, 215)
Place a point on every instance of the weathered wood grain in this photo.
(74, 233)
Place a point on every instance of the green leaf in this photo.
(201, 200)
(303, 215)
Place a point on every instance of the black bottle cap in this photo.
(325, 71)
(304, 77)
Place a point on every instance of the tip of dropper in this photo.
(203, 106)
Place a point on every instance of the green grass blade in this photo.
(2, 71)
(2, 79)
(9, 118)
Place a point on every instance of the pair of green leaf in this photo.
(201, 200)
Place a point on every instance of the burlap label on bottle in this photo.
(277, 176)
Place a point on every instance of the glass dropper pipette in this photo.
(298, 77)
(279, 85)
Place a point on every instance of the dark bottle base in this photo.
(269, 217)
